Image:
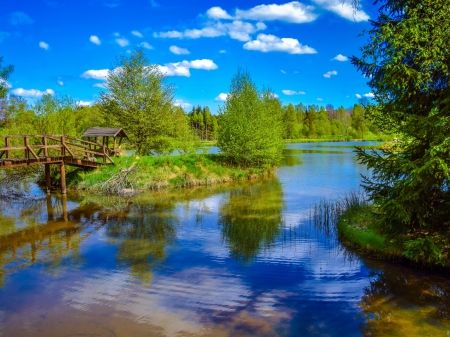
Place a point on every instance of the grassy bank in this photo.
(358, 228)
(154, 173)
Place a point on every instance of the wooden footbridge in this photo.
(54, 149)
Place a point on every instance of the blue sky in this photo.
(297, 48)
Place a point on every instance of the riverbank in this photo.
(155, 173)
(358, 229)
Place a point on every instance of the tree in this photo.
(251, 131)
(139, 100)
(407, 60)
(5, 72)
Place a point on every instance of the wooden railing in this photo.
(38, 147)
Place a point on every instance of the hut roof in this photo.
(105, 132)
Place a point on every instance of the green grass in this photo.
(154, 173)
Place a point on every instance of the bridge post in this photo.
(63, 179)
(27, 152)
(48, 182)
(8, 144)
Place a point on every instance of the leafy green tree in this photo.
(290, 122)
(186, 139)
(407, 60)
(251, 124)
(138, 99)
(5, 72)
(358, 122)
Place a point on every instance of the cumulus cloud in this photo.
(61, 83)
(179, 51)
(31, 92)
(146, 45)
(221, 98)
(328, 74)
(320, 99)
(369, 95)
(282, 71)
(136, 33)
(343, 9)
(294, 12)
(84, 103)
(182, 68)
(218, 13)
(292, 92)
(223, 51)
(95, 40)
(99, 85)
(358, 96)
(269, 43)
(122, 42)
(340, 57)
(43, 45)
(182, 104)
(101, 74)
(237, 30)
(20, 18)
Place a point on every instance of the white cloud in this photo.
(292, 92)
(320, 99)
(136, 33)
(182, 104)
(179, 51)
(268, 43)
(340, 57)
(294, 12)
(328, 74)
(237, 30)
(20, 18)
(122, 42)
(182, 68)
(43, 45)
(218, 13)
(370, 95)
(5, 83)
(221, 98)
(100, 85)
(343, 9)
(31, 92)
(281, 70)
(101, 74)
(223, 51)
(146, 45)
(61, 83)
(84, 103)
(358, 96)
(94, 39)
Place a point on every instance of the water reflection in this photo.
(44, 232)
(250, 219)
(405, 302)
(142, 234)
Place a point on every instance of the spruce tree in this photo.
(407, 60)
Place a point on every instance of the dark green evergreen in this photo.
(407, 59)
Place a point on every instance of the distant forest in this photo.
(62, 115)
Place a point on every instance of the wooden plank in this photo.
(32, 152)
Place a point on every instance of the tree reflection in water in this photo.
(251, 218)
(142, 233)
(406, 302)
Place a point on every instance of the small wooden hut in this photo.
(116, 135)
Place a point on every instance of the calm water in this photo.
(236, 260)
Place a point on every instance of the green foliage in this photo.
(139, 100)
(5, 72)
(251, 124)
(407, 60)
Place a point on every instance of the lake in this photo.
(242, 259)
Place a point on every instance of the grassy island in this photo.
(154, 173)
